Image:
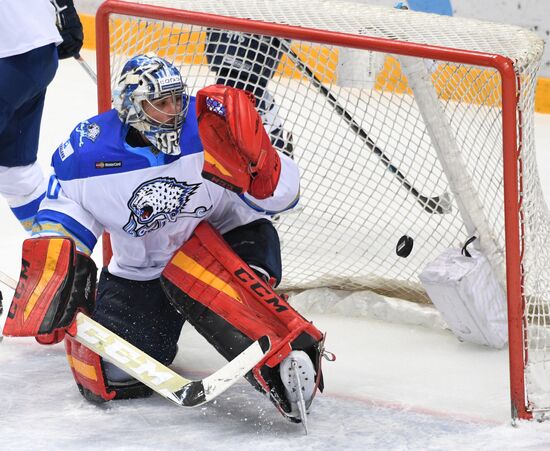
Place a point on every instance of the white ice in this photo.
(400, 381)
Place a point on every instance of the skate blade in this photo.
(301, 402)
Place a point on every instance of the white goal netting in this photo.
(371, 167)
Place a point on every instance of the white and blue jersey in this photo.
(26, 26)
(150, 204)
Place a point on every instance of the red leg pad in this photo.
(87, 369)
(207, 270)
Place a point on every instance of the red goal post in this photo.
(512, 129)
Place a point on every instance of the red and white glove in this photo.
(237, 151)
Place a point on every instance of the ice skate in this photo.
(298, 377)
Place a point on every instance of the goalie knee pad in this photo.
(89, 373)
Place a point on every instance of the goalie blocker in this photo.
(229, 305)
(55, 283)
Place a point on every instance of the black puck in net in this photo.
(404, 246)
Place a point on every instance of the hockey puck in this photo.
(404, 246)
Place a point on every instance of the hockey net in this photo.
(369, 147)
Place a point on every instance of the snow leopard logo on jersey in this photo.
(158, 201)
(87, 130)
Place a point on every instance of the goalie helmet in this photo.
(146, 78)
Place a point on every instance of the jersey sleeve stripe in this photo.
(50, 222)
(29, 210)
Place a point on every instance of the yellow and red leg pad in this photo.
(87, 371)
(207, 271)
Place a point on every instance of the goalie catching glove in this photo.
(55, 283)
(238, 154)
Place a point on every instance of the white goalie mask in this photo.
(153, 80)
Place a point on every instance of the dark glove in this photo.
(69, 26)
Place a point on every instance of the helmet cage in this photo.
(147, 78)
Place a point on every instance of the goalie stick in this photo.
(435, 205)
(181, 391)
(167, 383)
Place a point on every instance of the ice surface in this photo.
(400, 381)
